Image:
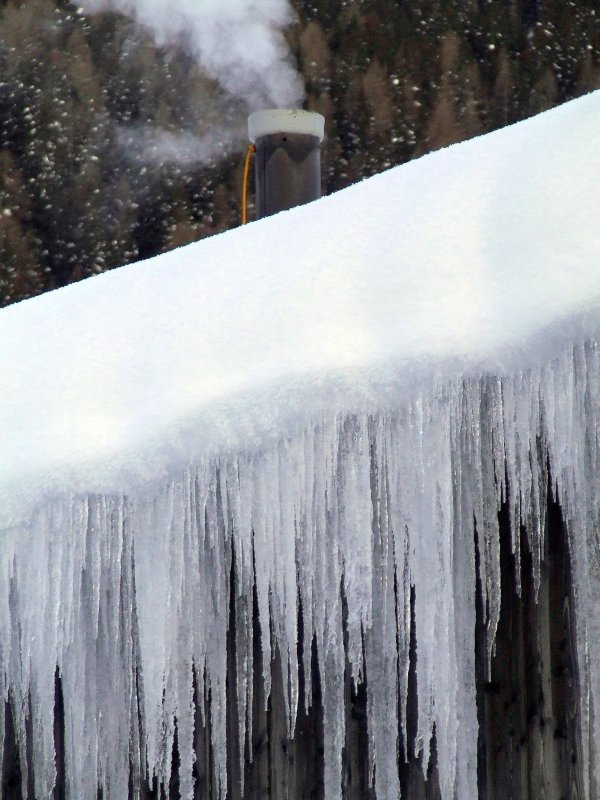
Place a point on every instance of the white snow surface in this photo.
(338, 390)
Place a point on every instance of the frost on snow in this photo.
(339, 504)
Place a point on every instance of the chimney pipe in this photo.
(288, 158)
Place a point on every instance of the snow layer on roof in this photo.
(460, 256)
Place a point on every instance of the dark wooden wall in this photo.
(528, 710)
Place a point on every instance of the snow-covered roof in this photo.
(321, 403)
(461, 256)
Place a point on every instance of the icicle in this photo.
(341, 520)
(381, 653)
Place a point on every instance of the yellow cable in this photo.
(251, 149)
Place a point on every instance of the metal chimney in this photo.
(288, 158)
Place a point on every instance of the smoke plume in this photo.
(156, 146)
(240, 43)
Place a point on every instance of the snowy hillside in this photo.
(338, 391)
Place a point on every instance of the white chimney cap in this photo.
(280, 120)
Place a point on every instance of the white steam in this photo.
(158, 147)
(240, 43)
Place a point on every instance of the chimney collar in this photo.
(280, 120)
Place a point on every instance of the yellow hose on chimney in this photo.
(251, 149)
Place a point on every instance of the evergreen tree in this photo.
(89, 181)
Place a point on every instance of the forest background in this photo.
(110, 149)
